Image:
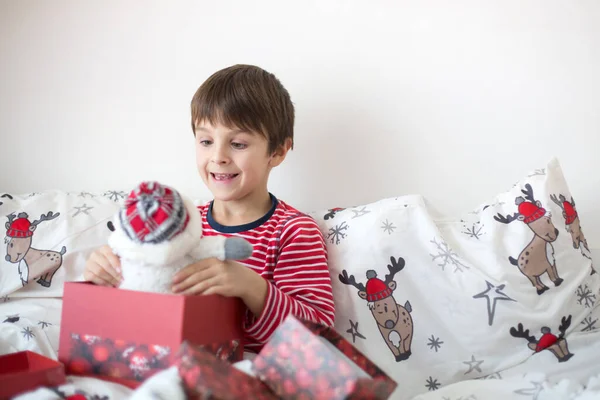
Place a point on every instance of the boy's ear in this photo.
(279, 154)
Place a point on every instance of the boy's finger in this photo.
(192, 280)
(94, 278)
(202, 287)
(102, 272)
(105, 264)
(190, 270)
(216, 289)
(115, 261)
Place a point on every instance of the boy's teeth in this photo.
(223, 176)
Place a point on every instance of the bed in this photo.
(500, 302)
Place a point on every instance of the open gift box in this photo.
(305, 360)
(302, 360)
(127, 336)
(25, 371)
(207, 373)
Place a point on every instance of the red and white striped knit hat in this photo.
(376, 288)
(529, 210)
(570, 213)
(20, 227)
(153, 213)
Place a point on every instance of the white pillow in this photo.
(433, 300)
(48, 237)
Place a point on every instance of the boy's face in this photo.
(234, 164)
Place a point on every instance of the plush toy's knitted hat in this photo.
(153, 213)
(376, 288)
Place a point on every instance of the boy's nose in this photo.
(220, 156)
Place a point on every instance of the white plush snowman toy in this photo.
(158, 232)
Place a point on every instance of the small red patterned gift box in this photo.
(25, 371)
(304, 360)
(207, 373)
(127, 336)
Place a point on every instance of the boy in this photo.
(243, 122)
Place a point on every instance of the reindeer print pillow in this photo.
(47, 238)
(438, 299)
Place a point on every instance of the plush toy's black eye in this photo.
(110, 226)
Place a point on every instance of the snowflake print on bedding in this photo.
(473, 230)
(585, 297)
(115, 195)
(393, 320)
(537, 257)
(388, 227)
(445, 256)
(434, 343)
(44, 324)
(589, 323)
(557, 345)
(27, 333)
(32, 263)
(337, 233)
(432, 384)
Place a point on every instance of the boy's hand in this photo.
(103, 267)
(226, 278)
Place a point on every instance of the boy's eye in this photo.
(205, 142)
(239, 146)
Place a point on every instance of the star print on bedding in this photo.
(439, 299)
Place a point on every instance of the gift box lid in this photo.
(25, 370)
(303, 359)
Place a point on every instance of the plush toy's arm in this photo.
(223, 248)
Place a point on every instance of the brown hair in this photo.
(246, 97)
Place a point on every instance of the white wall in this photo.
(406, 85)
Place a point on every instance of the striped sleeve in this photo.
(301, 282)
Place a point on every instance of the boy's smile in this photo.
(223, 178)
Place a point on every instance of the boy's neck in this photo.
(240, 212)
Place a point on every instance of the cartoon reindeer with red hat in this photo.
(394, 321)
(537, 258)
(557, 345)
(573, 224)
(40, 264)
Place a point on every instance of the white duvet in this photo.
(33, 324)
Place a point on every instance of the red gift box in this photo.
(305, 360)
(25, 371)
(127, 336)
(207, 373)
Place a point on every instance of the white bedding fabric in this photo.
(33, 324)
